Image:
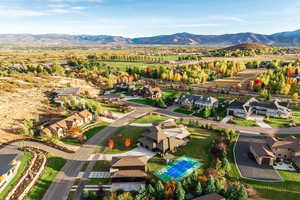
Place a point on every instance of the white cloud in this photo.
(13, 12)
(60, 11)
(57, 5)
(78, 8)
(75, 1)
(227, 18)
(195, 25)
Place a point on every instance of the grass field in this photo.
(197, 148)
(53, 166)
(145, 101)
(124, 65)
(23, 166)
(133, 133)
(183, 111)
(151, 118)
(243, 122)
(89, 134)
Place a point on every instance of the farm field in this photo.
(241, 78)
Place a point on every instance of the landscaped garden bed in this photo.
(53, 166)
(183, 111)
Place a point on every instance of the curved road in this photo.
(63, 182)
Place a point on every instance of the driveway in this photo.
(249, 168)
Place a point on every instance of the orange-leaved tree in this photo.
(110, 144)
(127, 142)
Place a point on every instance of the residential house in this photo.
(164, 137)
(128, 172)
(9, 164)
(245, 108)
(60, 129)
(65, 92)
(196, 101)
(274, 149)
(147, 92)
(211, 196)
(123, 87)
(262, 154)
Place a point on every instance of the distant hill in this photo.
(246, 46)
(291, 38)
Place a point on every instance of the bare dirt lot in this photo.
(242, 78)
(23, 97)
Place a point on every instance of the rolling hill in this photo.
(291, 38)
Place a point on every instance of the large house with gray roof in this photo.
(197, 101)
(245, 108)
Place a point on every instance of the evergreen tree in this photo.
(159, 187)
(242, 193)
(210, 188)
(180, 193)
(150, 190)
(198, 190)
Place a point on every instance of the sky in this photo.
(138, 18)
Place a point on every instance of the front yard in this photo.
(119, 137)
(197, 148)
(243, 122)
(88, 134)
(151, 118)
(53, 166)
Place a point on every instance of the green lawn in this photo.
(145, 101)
(102, 165)
(134, 133)
(23, 166)
(243, 122)
(53, 166)
(169, 94)
(89, 134)
(183, 111)
(278, 123)
(151, 118)
(198, 149)
(124, 65)
(287, 190)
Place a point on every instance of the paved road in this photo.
(291, 130)
(248, 167)
(63, 182)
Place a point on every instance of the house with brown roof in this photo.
(128, 169)
(164, 137)
(211, 196)
(147, 92)
(60, 129)
(277, 149)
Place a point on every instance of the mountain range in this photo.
(291, 38)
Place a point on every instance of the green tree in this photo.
(150, 190)
(210, 187)
(206, 112)
(198, 189)
(159, 187)
(180, 193)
